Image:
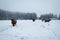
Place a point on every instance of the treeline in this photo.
(59, 17)
(5, 15)
(51, 16)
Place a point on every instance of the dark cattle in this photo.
(13, 21)
(46, 20)
(33, 20)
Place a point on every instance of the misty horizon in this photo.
(29, 6)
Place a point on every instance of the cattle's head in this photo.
(12, 19)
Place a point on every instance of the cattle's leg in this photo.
(13, 25)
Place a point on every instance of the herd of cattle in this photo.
(14, 21)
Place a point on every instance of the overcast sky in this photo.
(38, 6)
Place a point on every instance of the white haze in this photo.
(38, 6)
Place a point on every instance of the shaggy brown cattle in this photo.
(13, 21)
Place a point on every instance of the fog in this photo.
(38, 6)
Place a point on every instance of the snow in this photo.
(29, 30)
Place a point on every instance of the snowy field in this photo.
(29, 30)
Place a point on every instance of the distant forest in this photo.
(50, 15)
(7, 15)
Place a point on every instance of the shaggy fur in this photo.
(13, 21)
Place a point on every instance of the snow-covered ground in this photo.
(29, 30)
